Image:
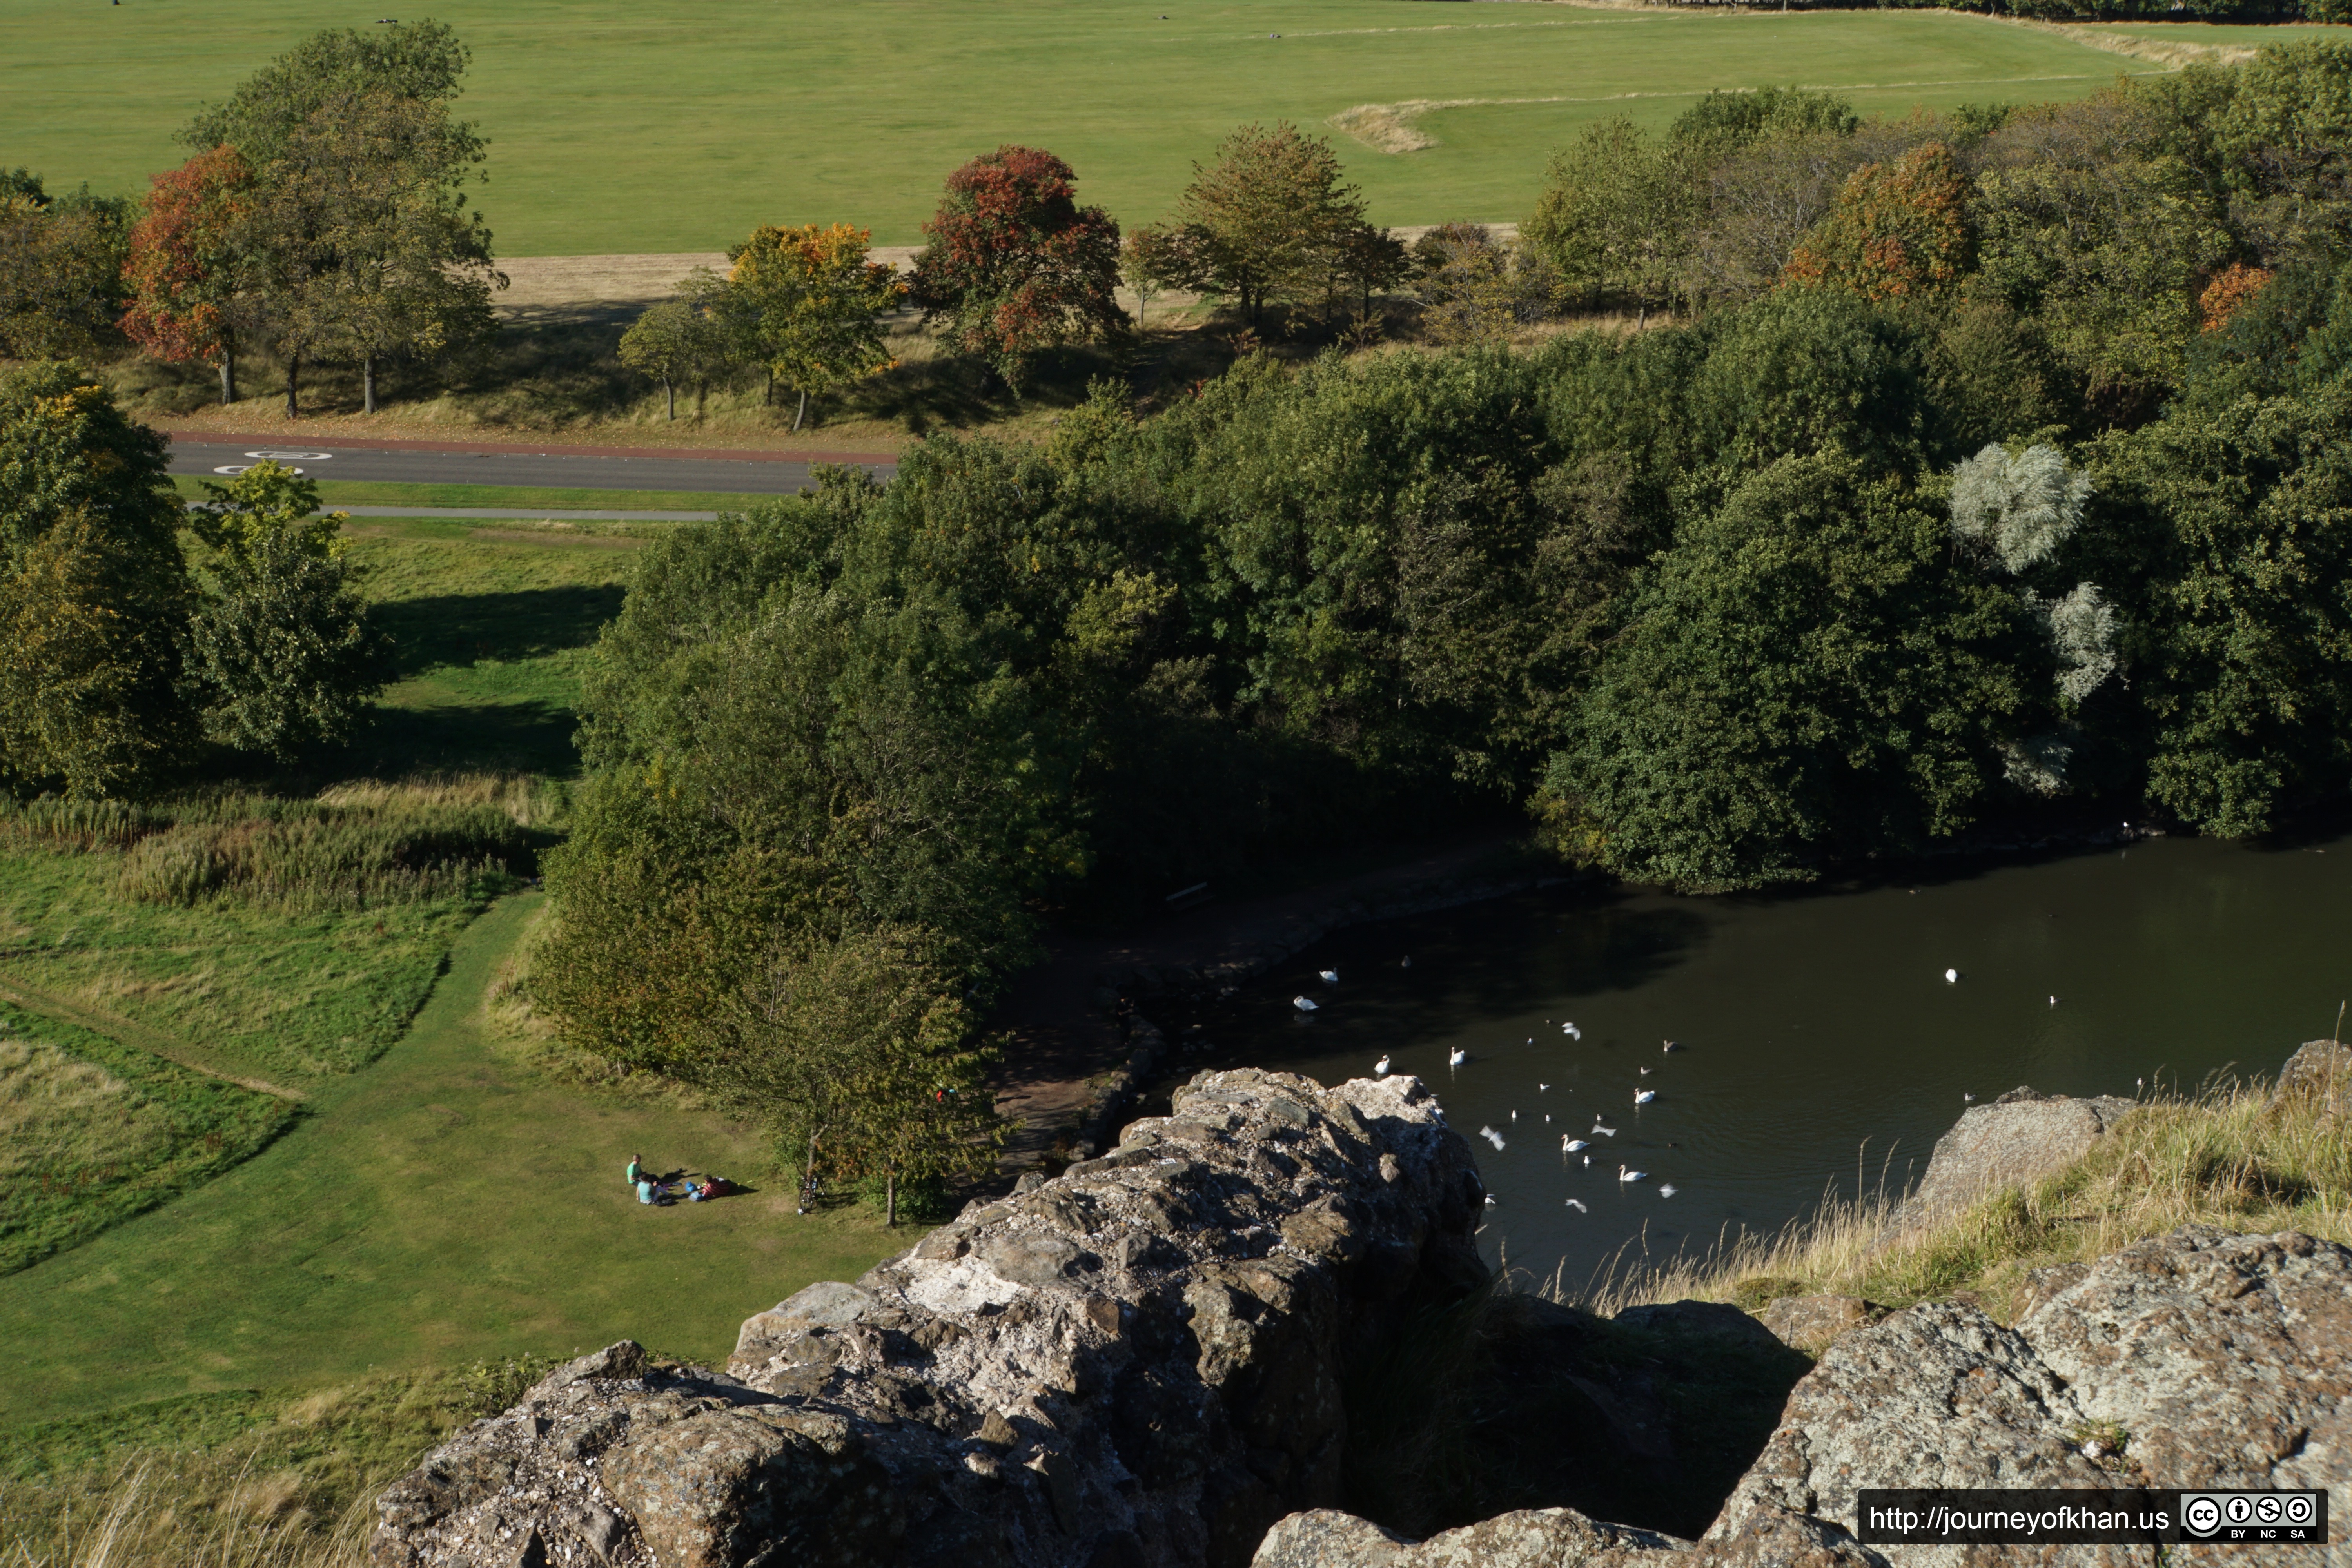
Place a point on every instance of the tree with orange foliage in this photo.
(182, 268)
(1014, 265)
(2231, 286)
(1900, 231)
(809, 301)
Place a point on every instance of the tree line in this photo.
(324, 216)
(1897, 545)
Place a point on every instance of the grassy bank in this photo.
(2230, 1156)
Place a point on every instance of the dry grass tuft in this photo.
(177, 1511)
(2231, 1156)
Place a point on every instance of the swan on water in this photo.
(1666, 1190)
(1644, 1096)
(1588, 1161)
(1328, 976)
(1541, 1088)
(1546, 1119)
(1304, 1004)
(1490, 1200)
(1572, 1031)
(2053, 1001)
(1515, 1116)
(1381, 1068)
(1951, 976)
(1645, 1072)
(1578, 1206)
(1571, 1146)
(1966, 1098)
(1625, 1175)
(1456, 1056)
(1604, 1131)
(1670, 1046)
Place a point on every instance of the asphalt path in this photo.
(551, 467)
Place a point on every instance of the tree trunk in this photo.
(228, 377)
(808, 1177)
(890, 1199)
(768, 398)
(367, 383)
(802, 411)
(701, 390)
(670, 392)
(293, 385)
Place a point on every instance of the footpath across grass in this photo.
(443, 1207)
(93, 1132)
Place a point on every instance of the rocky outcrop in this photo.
(2195, 1360)
(2319, 1067)
(1135, 1364)
(1813, 1323)
(2192, 1360)
(2015, 1140)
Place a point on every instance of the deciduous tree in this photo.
(61, 270)
(186, 274)
(1272, 219)
(676, 341)
(1014, 265)
(811, 302)
(1900, 231)
(284, 656)
(93, 588)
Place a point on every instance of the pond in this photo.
(1820, 1047)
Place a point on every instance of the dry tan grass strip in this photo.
(98, 1020)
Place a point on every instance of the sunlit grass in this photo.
(2231, 1156)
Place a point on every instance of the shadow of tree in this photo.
(462, 628)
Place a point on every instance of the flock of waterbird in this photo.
(1458, 1057)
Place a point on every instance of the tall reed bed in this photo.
(355, 846)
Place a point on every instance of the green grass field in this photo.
(657, 125)
(437, 1196)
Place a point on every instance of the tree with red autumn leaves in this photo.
(182, 269)
(1900, 230)
(1014, 265)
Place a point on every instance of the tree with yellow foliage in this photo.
(810, 303)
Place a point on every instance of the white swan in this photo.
(1644, 1096)
(1645, 1072)
(1456, 1056)
(1541, 1088)
(1625, 1175)
(1671, 1047)
(1572, 1146)
(1588, 1161)
(1966, 1098)
(1330, 976)
(1515, 1116)
(1381, 1068)
(1490, 1200)
(1578, 1206)
(1304, 1004)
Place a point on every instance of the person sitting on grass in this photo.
(646, 1188)
(636, 1169)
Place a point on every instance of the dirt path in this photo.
(1062, 1015)
(138, 1036)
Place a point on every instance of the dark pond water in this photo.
(1820, 1046)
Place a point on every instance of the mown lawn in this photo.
(333, 493)
(659, 125)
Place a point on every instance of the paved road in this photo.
(550, 467)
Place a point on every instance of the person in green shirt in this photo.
(636, 1169)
